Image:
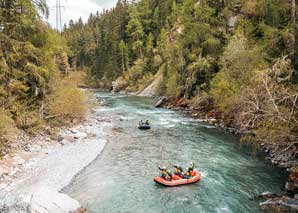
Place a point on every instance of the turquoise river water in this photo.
(121, 179)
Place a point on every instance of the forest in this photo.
(35, 86)
(234, 59)
(215, 66)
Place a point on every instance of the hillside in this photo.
(234, 60)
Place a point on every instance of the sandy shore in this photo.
(33, 179)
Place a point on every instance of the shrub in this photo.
(6, 123)
(7, 129)
(68, 102)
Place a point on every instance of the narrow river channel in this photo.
(121, 179)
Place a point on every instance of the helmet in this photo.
(176, 165)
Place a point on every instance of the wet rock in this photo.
(292, 183)
(267, 195)
(280, 204)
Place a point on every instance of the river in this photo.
(121, 178)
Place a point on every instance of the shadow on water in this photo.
(121, 179)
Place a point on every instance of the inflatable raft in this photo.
(144, 127)
(177, 180)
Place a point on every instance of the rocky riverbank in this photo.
(30, 176)
(285, 160)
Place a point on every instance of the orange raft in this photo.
(177, 180)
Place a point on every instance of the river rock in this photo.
(35, 148)
(19, 161)
(161, 102)
(46, 200)
(80, 135)
(267, 195)
(280, 204)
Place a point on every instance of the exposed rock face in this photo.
(150, 91)
(161, 102)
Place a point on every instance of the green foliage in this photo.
(67, 103)
(239, 62)
(216, 53)
(32, 57)
(6, 122)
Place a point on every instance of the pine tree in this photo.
(135, 30)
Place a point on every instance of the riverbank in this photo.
(29, 177)
(274, 154)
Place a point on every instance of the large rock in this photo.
(42, 200)
(280, 204)
(150, 91)
(80, 135)
(119, 85)
(161, 102)
(47, 201)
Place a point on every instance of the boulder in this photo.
(280, 204)
(267, 195)
(80, 135)
(161, 102)
(46, 200)
(35, 148)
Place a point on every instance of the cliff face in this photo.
(150, 91)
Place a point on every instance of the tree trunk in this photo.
(293, 21)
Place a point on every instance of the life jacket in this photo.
(164, 172)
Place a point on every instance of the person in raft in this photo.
(147, 123)
(141, 123)
(178, 170)
(165, 174)
(189, 170)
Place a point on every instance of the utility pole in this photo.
(58, 16)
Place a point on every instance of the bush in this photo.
(7, 129)
(68, 102)
(6, 123)
(76, 78)
(120, 84)
(239, 63)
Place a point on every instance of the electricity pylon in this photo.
(58, 16)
